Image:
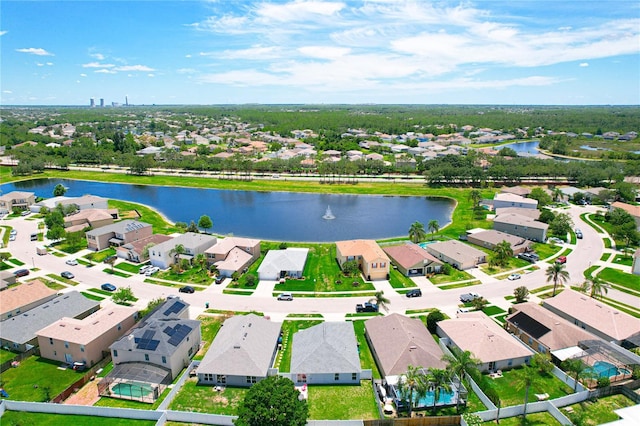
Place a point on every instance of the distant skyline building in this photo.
(92, 102)
(126, 101)
(101, 102)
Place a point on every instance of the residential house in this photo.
(397, 341)
(85, 340)
(542, 330)
(633, 210)
(117, 234)
(16, 200)
(278, 264)
(166, 338)
(517, 190)
(163, 255)
(6, 279)
(19, 332)
(635, 267)
(233, 254)
(593, 315)
(86, 202)
(371, 259)
(413, 260)
(485, 339)
(530, 213)
(242, 353)
(522, 226)
(135, 250)
(459, 255)
(490, 238)
(20, 298)
(326, 353)
(506, 199)
(88, 218)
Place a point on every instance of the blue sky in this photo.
(320, 51)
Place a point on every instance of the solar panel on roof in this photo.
(168, 331)
(148, 334)
(179, 333)
(529, 325)
(175, 308)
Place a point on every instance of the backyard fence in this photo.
(415, 421)
(626, 390)
(58, 399)
(19, 358)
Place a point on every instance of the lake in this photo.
(530, 147)
(277, 216)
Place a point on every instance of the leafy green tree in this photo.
(123, 295)
(193, 227)
(350, 268)
(250, 280)
(561, 224)
(205, 222)
(74, 239)
(546, 216)
(56, 233)
(380, 300)
(59, 190)
(526, 378)
(541, 195)
(416, 232)
(412, 384)
(521, 294)
(475, 197)
(557, 273)
(433, 227)
(433, 319)
(54, 217)
(479, 303)
(145, 250)
(272, 401)
(542, 362)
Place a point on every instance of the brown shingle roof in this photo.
(409, 255)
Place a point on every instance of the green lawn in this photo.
(68, 248)
(453, 276)
(209, 327)
(130, 267)
(192, 276)
(399, 281)
(205, 399)
(545, 250)
(16, 261)
(100, 291)
(536, 419)
(366, 357)
(53, 285)
(17, 418)
(510, 395)
(342, 402)
(493, 310)
(92, 296)
(6, 356)
(289, 328)
(513, 263)
(623, 260)
(597, 412)
(115, 272)
(160, 226)
(59, 278)
(620, 278)
(99, 256)
(36, 377)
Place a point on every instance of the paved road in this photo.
(585, 253)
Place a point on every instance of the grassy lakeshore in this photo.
(463, 217)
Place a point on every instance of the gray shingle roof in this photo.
(330, 347)
(119, 227)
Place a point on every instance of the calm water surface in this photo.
(279, 216)
(530, 147)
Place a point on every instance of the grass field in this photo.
(366, 357)
(510, 395)
(209, 327)
(453, 276)
(6, 356)
(597, 412)
(148, 215)
(614, 276)
(37, 379)
(342, 402)
(536, 419)
(205, 399)
(17, 418)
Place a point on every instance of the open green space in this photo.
(366, 357)
(493, 310)
(546, 251)
(454, 275)
(18, 418)
(399, 281)
(513, 263)
(99, 256)
(626, 260)
(6, 355)
(53, 285)
(37, 379)
(507, 388)
(597, 411)
(64, 246)
(535, 419)
(209, 327)
(622, 279)
(206, 399)
(342, 402)
(15, 261)
(130, 267)
(100, 291)
(59, 278)
(289, 328)
(142, 213)
(115, 272)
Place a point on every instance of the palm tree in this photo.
(416, 232)
(177, 251)
(200, 259)
(412, 385)
(597, 287)
(579, 368)
(526, 378)
(475, 197)
(557, 194)
(380, 300)
(503, 252)
(460, 363)
(433, 227)
(557, 273)
(440, 379)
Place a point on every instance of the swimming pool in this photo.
(132, 389)
(444, 399)
(426, 243)
(606, 369)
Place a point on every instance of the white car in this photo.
(151, 271)
(514, 277)
(145, 268)
(71, 262)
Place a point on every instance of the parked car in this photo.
(25, 213)
(219, 279)
(469, 297)
(145, 268)
(561, 259)
(108, 287)
(151, 271)
(555, 240)
(68, 275)
(21, 273)
(529, 257)
(285, 296)
(514, 277)
(578, 233)
(34, 237)
(110, 259)
(13, 232)
(12, 237)
(71, 262)
(366, 307)
(416, 292)
(187, 289)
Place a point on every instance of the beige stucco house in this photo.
(117, 234)
(372, 260)
(413, 260)
(233, 254)
(16, 199)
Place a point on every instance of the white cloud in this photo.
(83, 75)
(186, 71)
(3, 32)
(105, 71)
(134, 68)
(50, 63)
(324, 52)
(7, 91)
(297, 11)
(253, 53)
(98, 56)
(187, 56)
(151, 75)
(584, 64)
(97, 65)
(35, 51)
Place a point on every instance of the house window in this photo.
(208, 377)
(510, 363)
(81, 348)
(66, 345)
(383, 264)
(336, 377)
(374, 265)
(50, 341)
(55, 353)
(115, 353)
(190, 351)
(251, 379)
(164, 359)
(119, 327)
(354, 376)
(302, 378)
(221, 378)
(530, 341)
(146, 357)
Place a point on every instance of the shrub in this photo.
(603, 382)
(432, 320)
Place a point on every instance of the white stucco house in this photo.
(278, 264)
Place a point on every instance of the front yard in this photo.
(342, 402)
(453, 276)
